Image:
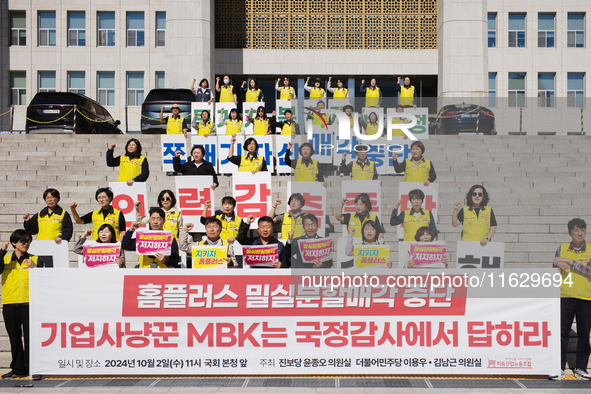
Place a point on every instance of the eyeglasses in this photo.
(102, 198)
(476, 194)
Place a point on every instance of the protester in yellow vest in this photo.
(292, 220)
(362, 214)
(406, 93)
(575, 296)
(230, 223)
(286, 92)
(106, 235)
(395, 120)
(414, 218)
(306, 169)
(349, 112)
(288, 126)
(233, 123)
(175, 123)
(213, 230)
(478, 218)
(373, 127)
(252, 161)
(373, 94)
(416, 168)
(173, 220)
(362, 169)
(261, 124)
(15, 300)
(321, 119)
(133, 167)
(252, 94)
(106, 214)
(317, 91)
(369, 236)
(52, 222)
(205, 127)
(340, 92)
(226, 92)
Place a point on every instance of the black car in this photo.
(464, 119)
(68, 113)
(158, 98)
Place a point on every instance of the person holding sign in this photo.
(340, 92)
(133, 167)
(406, 93)
(262, 124)
(305, 168)
(106, 235)
(203, 93)
(174, 217)
(52, 222)
(213, 229)
(205, 127)
(424, 234)
(361, 169)
(106, 214)
(286, 92)
(349, 112)
(290, 221)
(265, 238)
(15, 299)
(369, 236)
(310, 225)
(414, 218)
(478, 219)
(226, 92)
(399, 132)
(233, 123)
(158, 260)
(230, 223)
(251, 162)
(317, 91)
(324, 118)
(371, 128)
(416, 168)
(288, 126)
(252, 94)
(197, 166)
(175, 124)
(373, 94)
(362, 214)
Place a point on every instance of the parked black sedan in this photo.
(463, 119)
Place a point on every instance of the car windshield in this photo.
(170, 95)
(55, 98)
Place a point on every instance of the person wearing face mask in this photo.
(133, 167)
(292, 219)
(305, 168)
(197, 166)
(52, 222)
(286, 92)
(362, 214)
(252, 161)
(288, 126)
(416, 168)
(265, 237)
(174, 217)
(205, 127)
(373, 94)
(226, 91)
(407, 93)
(414, 218)
(159, 260)
(252, 94)
(478, 219)
(106, 235)
(362, 169)
(106, 214)
(424, 234)
(203, 93)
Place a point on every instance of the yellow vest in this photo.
(288, 225)
(174, 125)
(476, 228)
(146, 262)
(407, 95)
(261, 126)
(50, 227)
(286, 93)
(372, 97)
(581, 286)
(15, 280)
(171, 223)
(411, 224)
(363, 174)
(233, 127)
(351, 121)
(338, 93)
(205, 243)
(129, 168)
(204, 129)
(319, 122)
(226, 94)
(98, 220)
(229, 227)
(288, 129)
(247, 166)
(306, 174)
(316, 93)
(252, 97)
(371, 129)
(417, 172)
(398, 132)
(355, 223)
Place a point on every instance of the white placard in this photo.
(210, 144)
(221, 129)
(246, 107)
(224, 142)
(54, 255)
(191, 193)
(421, 130)
(282, 106)
(170, 143)
(351, 189)
(124, 198)
(253, 194)
(473, 255)
(197, 109)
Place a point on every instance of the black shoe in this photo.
(36, 377)
(8, 375)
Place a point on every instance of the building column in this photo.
(463, 49)
(190, 43)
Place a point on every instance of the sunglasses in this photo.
(476, 194)
(165, 199)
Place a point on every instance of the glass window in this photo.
(492, 89)
(18, 87)
(546, 30)
(135, 88)
(47, 81)
(106, 29)
(575, 86)
(76, 29)
(135, 29)
(77, 82)
(46, 28)
(18, 31)
(517, 30)
(160, 29)
(106, 88)
(517, 89)
(492, 29)
(576, 30)
(159, 79)
(546, 92)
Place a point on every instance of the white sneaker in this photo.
(558, 377)
(582, 374)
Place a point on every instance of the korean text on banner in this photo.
(192, 193)
(427, 254)
(315, 249)
(126, 196)
(210, 144)
(101, 255)
(473, 255)
(209, 256)
(260, 255)
(196, 111)
(367, 256)
(150, 242)
(253, 194)
(170, 144)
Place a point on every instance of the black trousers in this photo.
(569, 308)
(16, 319)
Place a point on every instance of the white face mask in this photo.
(226, 81)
